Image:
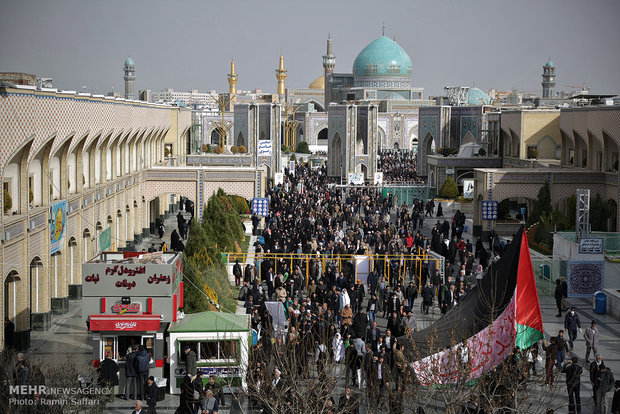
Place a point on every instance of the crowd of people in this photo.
(399, 167)
(331, 315)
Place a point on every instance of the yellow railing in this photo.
(405, 261)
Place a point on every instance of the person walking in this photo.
(558, 297)
(151, 395)
(591, 335)
(131, 375)
(572, 324)
(190, 361)
(573, 373)
(551, 352)
(602, 385)
(615, 403)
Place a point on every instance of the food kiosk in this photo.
(130, 298)
(222, 343)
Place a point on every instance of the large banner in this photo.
(57, 226)
(468, 189)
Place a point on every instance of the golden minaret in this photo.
(281, 75)
(232, 81)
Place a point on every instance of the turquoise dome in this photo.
(477, 97)
(383, 58)
(549, 64)
(129, 62)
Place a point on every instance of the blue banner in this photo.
(58, 223)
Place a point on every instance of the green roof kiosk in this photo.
(222, 342)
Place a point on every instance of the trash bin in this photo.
(600, 302)
(161, 388)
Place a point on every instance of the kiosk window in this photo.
(124, 342)
(209, 351)
(109, 344)
(147, 342)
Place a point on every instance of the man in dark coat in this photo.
(573, 373)
(348, 403)
(108, 373)
(143, 360)
(427, 297)
(131, 375)
(572, 324)
(151, 395)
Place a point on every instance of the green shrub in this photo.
(303, 148)
(503, 209)
(293, 157)
(482, 152)
(8, 202)
(284, 148)
(218, 150)
(449, 189)
(234, 149)
(208, 149)
(242, 149)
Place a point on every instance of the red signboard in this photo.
(120, 323)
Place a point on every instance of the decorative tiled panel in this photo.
(229, 175)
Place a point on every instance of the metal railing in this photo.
(388, 263)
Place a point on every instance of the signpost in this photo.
(590, 245)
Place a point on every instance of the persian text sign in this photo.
(265, 148)
(591, 245)
(124, 323)
(356, 178)
(57, 225)
(106, 279)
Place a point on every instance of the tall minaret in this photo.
(281, 77)
(548, 82)
(329, 61)
(130, 78)
(232, 82)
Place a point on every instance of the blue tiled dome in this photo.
(129, 62)
(383, 57)
(477, 97)
(549, 64)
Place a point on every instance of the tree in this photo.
(8, 202)
(303, 148)
(541, 205)
(284, 148)
(449, 189)
(600, 211)
(503, 209)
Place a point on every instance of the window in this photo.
(109, 344)
(213, 351)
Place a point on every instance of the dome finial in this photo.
(383, 29)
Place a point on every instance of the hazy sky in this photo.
(185, 44)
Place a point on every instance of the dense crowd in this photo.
(399, 167)
(331, 315)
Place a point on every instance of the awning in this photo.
(124, 323)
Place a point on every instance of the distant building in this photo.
(18, 78)
(189, 98)
(145, 95)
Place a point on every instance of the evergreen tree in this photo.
(449, 189)
(542, 204)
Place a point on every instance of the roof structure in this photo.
(211, 321)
